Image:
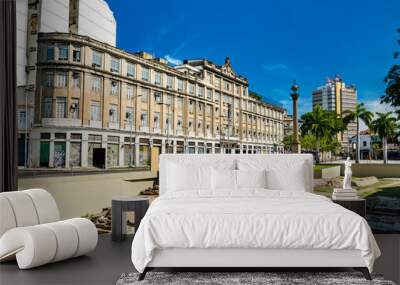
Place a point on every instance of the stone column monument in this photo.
(296, 143)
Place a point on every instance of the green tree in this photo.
(385, 127)
(392, 80)
(317, 123)
(360, 113)
(287, 142)
(307, 142)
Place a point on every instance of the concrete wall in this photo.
(377, 170)
(54, 16)
(78, 195)
(327, 173)
(96, 20)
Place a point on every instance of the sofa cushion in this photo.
(23, 208)
(45, 205)
(7, 215)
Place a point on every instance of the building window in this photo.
(113, 113)
(209, 94)
(76, 54)
(168, 121)
(200, 91)
(144, 95)
(169, 100)
(179, 122)
(143, 119)
(49, 79)
(209, 78)
(157, 120)
(114, 64)
(157, 96)
(21, 118)
(47, 107)
(61, 107)
(95, 111)
(191, 106)
(114, 87)
(179, 103)
(96, 83)
(216, 96)
(50, 53)
(130, 70)
(145, 74)
(96, 59)
(208, 110)
(63, 53)
(75, 108)
(169, 82)
(180, 85)
(129, 92)
(191, 88)
(61, 80)
(237, 90)
(129, 116)
(157, 78)
(218, 82)
(227, 85)
(76, 80)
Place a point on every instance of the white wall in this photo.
(96, 20)
(54, 16)
(22, 22)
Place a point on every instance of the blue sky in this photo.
(271, 42)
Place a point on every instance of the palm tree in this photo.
(360, 113)
(385, 127)
(318, 124)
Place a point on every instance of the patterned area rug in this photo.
(236, 278)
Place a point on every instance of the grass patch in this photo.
(324, 190)
(323, 166)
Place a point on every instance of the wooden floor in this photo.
(103, 266)
(110, 259)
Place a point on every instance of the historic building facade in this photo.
(92, 95)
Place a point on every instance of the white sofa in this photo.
(31, 230)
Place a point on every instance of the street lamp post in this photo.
(167, 143)
(295, 95)
(131, 121)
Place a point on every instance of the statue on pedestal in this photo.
(347, 175)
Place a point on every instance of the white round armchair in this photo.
(31, 230)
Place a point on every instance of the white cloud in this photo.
(374, 105)
(173, 60)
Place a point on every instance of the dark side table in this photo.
(119, 207)
(357, 205)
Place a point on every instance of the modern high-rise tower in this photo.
(336, 96)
